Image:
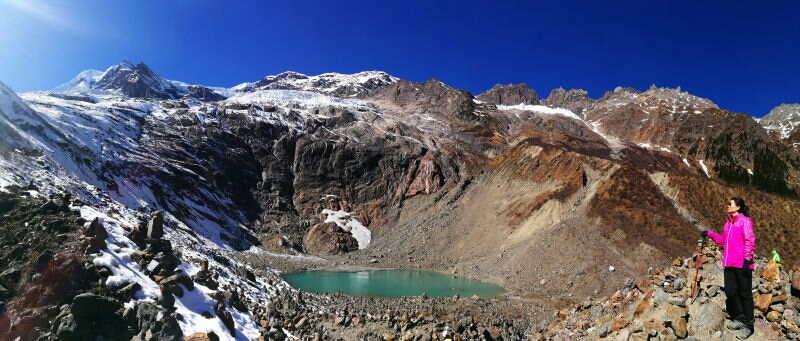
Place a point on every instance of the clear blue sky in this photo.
(743, 55)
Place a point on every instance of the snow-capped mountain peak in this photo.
(83, 82)
(336, 84)
(126, 78)
(784, 119)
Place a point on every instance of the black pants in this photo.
(738, 295)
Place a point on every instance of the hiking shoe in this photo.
(734, 324)
(744, 333)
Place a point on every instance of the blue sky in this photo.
(743, 56)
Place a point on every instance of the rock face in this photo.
(204, 94)
(509, 94)
(576, 100)
(329, 239)
(137, 80)
(697, 129)
(432, 96)
(335, 84)
(783, 122)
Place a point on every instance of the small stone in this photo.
(762, 302)
(43, 259)
(636, 326)
(678, 301)
(130, 289)
(200, 336)
(610, 268)
(772, 272)
(619, 324)
(712, 291)
(152, 266)
(680, 328)
(773, 316)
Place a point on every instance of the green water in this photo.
(390, 283)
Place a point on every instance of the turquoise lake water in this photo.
(390, 283)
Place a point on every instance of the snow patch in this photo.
(705, 169)
(348, 223)
(541, 109)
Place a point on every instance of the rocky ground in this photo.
(54, 290)
(660, 306)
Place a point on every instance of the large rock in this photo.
(93, 307)
(155, 228)
(96, 229)
(329, 239)
(226, 317)
(707, 317)
(173, 284)
(157, 324)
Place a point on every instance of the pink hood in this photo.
(737, 240)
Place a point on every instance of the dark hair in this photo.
(743, 209)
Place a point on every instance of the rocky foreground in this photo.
(55, 288)
(660, 306)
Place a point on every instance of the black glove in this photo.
(746, 264)
(704, 233)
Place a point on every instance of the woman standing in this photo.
(738, 245)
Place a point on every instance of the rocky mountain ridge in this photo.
(296, 165)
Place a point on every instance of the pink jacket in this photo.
(737, 240)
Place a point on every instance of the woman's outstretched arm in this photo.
(715, 237)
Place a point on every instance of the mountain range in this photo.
(538, 195)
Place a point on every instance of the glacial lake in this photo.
(390, 283)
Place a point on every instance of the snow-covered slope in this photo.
(336, 84)
(783, 119)
(99, 147)
(85, 81)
